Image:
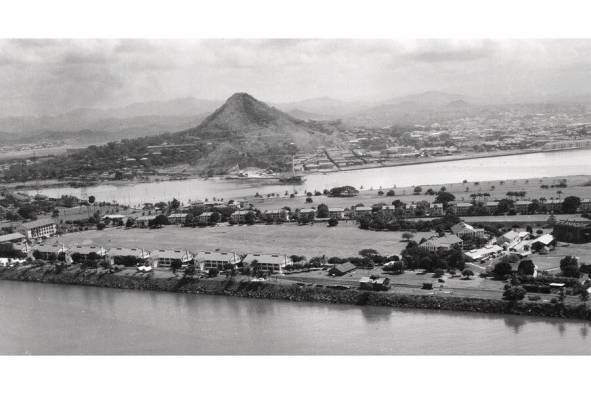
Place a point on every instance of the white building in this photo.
(267, 262)
(219, 260)
(42, 228)
(165, 258)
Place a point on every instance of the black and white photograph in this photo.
(295, 196)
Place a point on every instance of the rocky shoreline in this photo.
(268, 290)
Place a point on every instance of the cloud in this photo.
(445, 51)
(38, 76)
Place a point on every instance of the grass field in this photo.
(312, 240)
(497, 190)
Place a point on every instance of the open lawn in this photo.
(497, 190)
(311, 240)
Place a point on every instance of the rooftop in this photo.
(37, 223)
(11, 237)
(265, 258)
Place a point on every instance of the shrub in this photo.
(514, 293)
(569, 265)
(502, 269)
(213, 272)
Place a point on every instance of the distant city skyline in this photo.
(55, 76)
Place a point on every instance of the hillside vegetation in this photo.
(243, 132)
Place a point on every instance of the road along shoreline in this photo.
(288, 292)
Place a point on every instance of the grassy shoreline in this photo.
(293, 292)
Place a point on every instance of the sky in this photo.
(55, 76)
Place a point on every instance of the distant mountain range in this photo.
(88, 125)
(93, 125)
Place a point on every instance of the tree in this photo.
(175, 265)
(250, 218)
(584, 294)
(130, 222)
(444, 198)
(502, 269)
(390, 193)
(526, 267)
(396, 267)
(569, 265)
(91, 199)
(514, 293)
(27, 211)
(309, 200)
(322, 211)
(467, 273)
(174, 204)
(213, 272)
(571, 204)
(215, 217)
(161, 205)
(333, 222)
(368, 253)
(418, 190)
(407, 236)
(189, 271)
(158, 221)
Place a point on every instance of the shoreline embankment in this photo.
(277, 291)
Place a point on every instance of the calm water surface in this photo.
(577, 162)
(55, 319)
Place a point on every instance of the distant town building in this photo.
(436, 209)
(239, 216)
(447, 242)
(336, 213)
(306, 214)
(118, 256)
(267, 262)
(461, 208)
(342, 269)
(42, 228)
(166, 258)
(177, 218)
(219, 260)
(81, 253)
(463, 229)
(491, 206)
(49, 252)
(522, 206)
(12, 238)
(144, 221)
(375, 284)
(204, 218)
(277, 215)
(358, 212)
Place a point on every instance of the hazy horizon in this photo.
(40, 77)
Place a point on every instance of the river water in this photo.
(47, 319)
(576, 162)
